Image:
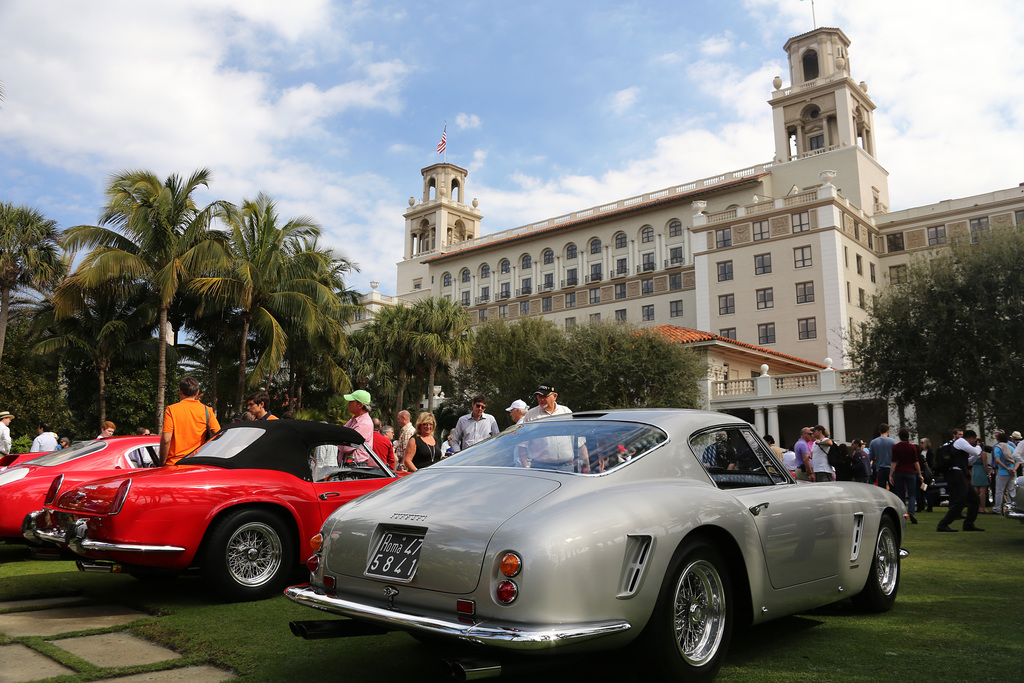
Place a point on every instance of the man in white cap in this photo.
(517, 411)
(5, 432)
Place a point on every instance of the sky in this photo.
(332, 107)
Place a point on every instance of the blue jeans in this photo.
(905, 486)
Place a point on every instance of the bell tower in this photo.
(823, 109)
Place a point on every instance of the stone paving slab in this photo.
(115, 649)
(40, 602)
(52, 622)
(22, 664)
(190, 674)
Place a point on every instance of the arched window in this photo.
(504, 266)
(647, 234)
(485, 271)
(465, 274)
(620, 240)
(675, 229)
(570, 252)
(446, 280)
(549, 257)
(455, 191)
(527, 262)
(595, 246)
(810, 62)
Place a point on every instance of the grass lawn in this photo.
(956, 619)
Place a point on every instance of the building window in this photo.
(761, 231)
(571, 279)
(817, 142)
(898, 274)
(620, 267)
(871, 241)
(595, 295)
(570, 300)
(848, 299)
(595, 246)
(1018, 217)
(527, 262)
(765, 298)
(978, 226)
(620, 240)
(465, 275)
(647, 313)
(483, 315)
(675, 256)
(801, 222)
(723, 238)
(936, 235)
(504, 266)
(894, 243)
(620, 290)
(728, 333)
(485, 294)
(545, 304)
(549, 281)
(871, 269)
(647, 286)
(805, 292)
(417, 284)
(465, 298)
(807, 328)
(860, 265)
(762, 264)
(548, 257)
(570, 323)
(846, 257)
(503, 311)
(766, 333)
(856, 231)
(647, 235)
(527, 286)
(506, 290)
(620, 315)
(595, 272)
(570, 252)
(675, 281)
(726, 304)
(802, 257)
(724, 271)
(648, 262)
(595, 318)
(862, 298)
(485, 271)
(446, 280)
(675, 308)
(524, 308)
(675, 229)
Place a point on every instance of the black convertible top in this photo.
(282, 445)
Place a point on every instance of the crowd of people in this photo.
(969, 468)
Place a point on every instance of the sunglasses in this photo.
(479, 405)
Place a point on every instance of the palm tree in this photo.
(384, 353)
(271, 280)
(158, 235)
(30, 256)
(441, 335)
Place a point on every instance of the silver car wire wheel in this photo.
(887, 560)
(254, 553)
(700, 612)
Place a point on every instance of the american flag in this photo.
(441, 145)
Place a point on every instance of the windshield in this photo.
(72, 452)
(578, 446)
(226, 444)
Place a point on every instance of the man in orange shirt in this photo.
(186, 423)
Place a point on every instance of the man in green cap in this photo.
(359, 407)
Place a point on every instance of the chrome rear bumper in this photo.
(65, 530)
(519, 637)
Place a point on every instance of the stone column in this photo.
(759, 421)
(822, 413)
(773, 424)
(838, 423)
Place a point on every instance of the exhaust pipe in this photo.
(98, 567)
(348, 628)
(469, 669)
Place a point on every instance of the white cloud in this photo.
(623, 100)
(717, 46)
(465, 121)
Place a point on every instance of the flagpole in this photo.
(446, 144)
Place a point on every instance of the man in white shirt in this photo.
(473, 427)
(45, 442)
(556, 452)
(958, 479)
(517, 411)
(5, 432)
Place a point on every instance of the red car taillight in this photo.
(506, 592)
(51, 493)
(313, 563)
(120, 496)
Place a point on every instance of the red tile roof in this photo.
(688, 335)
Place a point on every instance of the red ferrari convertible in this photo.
(237, 507)
(23, 486)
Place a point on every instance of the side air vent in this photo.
(638, 551)
(858, 536)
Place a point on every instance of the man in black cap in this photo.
(556, 452)
(546, 404)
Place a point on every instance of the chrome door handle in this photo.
(756, 509)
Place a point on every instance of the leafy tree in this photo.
(157, 235)
(441, 335)
(30, 256)
(950, 330)
(30, 385)
(384, 356)
(607, 365)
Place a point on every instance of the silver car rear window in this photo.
(575, 446)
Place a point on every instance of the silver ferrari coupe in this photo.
(658, 529)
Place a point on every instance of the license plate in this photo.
(396, 557)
